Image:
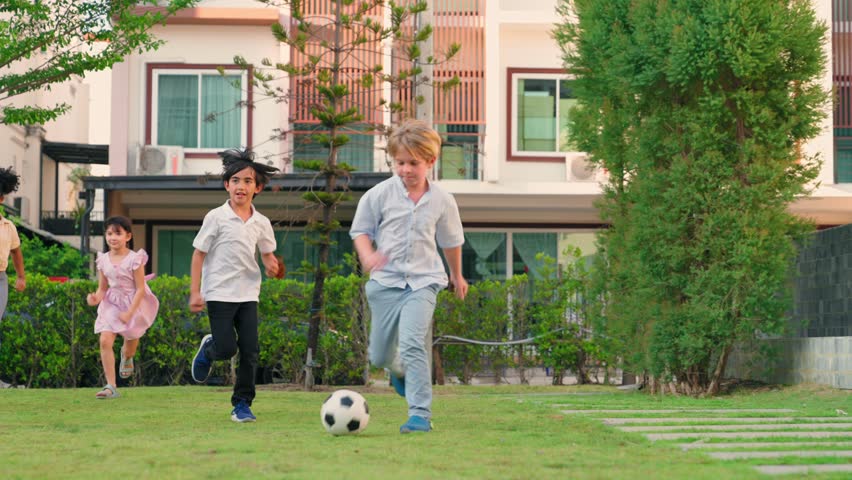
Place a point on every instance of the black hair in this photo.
(234, 160)
(9, 181)
(120, 222)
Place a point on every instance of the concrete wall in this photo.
(820, 350)
(823, 360)
(823, 288)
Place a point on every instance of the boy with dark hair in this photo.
(226, 276)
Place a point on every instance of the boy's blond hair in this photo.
(417, 138)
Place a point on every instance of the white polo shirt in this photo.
(231, 272)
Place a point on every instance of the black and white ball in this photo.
(345, 412)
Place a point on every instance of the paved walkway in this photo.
(773, 432)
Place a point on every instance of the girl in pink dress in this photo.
(127, 305)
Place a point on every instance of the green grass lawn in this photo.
(506, 432)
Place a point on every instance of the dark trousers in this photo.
(234, 327)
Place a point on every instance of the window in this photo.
(540, 109)
(358, 153)
(484, 256)
(459, 152)
(198, 109)
(295, 250)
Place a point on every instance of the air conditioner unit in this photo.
(579, 169)
(160, 160)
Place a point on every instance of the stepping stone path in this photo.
(779, 433)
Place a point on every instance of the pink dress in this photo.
(120, 294)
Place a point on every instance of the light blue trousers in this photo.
(4, 293)
(400, 323)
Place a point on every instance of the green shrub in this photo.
(47, 336)
(52, 261)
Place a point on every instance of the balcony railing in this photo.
(67, 222)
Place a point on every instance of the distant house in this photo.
(520, 187)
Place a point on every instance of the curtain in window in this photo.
(566, 102)
(528, 245)
(220, 97)
(536, 115)
(484, 244)
(177, 110)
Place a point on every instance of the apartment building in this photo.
(46, 155)
(520, 188)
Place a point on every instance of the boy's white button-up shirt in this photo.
(230, 272)
(407, 232)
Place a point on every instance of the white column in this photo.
(495, 108)
(31, 187)
(120, 115)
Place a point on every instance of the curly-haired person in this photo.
(10, 245)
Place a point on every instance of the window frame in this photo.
(154, 70)
(512, 77)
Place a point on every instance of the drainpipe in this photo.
(89, 197)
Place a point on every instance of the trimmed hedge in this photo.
(47, 339)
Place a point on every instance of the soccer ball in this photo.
(345, 412)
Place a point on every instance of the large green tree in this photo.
(697, 109)
(49, 41)
(338, 73)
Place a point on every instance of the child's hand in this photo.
(274, 265)
(93, 299)
(375, 261)
(124, 317)
(459, 286)
(20, 284)
(196, 303)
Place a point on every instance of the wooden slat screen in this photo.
(321, 13)
(841, 46)
(463, 22)
(453, 21)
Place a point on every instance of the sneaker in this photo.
(398, 384)
(416, 423)
(201, 365)
(242, 413)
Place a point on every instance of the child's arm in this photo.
(18, 261)
(371, 259)
(196, 302)
(98, 295)
(453, 256)
(139, 280)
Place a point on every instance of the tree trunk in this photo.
(439, 367)
(719, 372)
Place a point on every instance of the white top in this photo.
(230, 272)
(409, 233)
(9, 241)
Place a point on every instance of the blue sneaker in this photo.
(242, 413)
(416, 423)
(201, 365)
(398, 384)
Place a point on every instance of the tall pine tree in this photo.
(697, 109)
